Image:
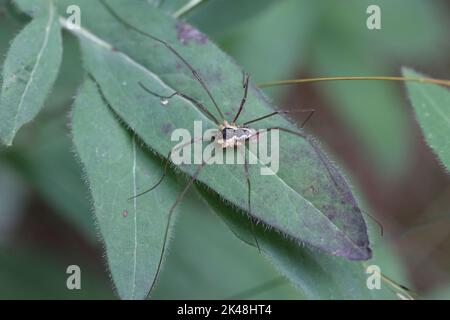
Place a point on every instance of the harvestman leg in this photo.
(166, 165)
(171, 210)
(247, 177)
(304, 136)
(310, 141)
(176, 93)
(168, 46)
(246, 78)
(330, 174)
(311, 113)
(193, 140)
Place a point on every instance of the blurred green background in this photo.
(46, 221)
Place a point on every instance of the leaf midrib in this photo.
(133, 141)
(33, 71)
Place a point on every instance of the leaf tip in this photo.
(407, 72)
(355, 253)
(361, 255)
(8, 140)
(186, 33)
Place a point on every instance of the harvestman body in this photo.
(232, 135)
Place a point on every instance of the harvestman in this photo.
(233, 135)
(229, 135)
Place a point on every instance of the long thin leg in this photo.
(166, 166)
(304, 136)
(176, 93)
(168, 46)
(244, 99)
(311, 113)
(247, 177)
(169, 217)
(310, 141)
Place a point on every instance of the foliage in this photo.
(307, 211)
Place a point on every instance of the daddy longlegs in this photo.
(232, 135)
(229, 135)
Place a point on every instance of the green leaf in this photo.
(116, 167)
(29, 72)
(432, 106)
(311, 201)
(211, 273)
(42, 151)
(92, 117)
(315, 274)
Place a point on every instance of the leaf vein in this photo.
(135, 218)
(33, 71)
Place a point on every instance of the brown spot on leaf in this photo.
(179, 66)
(125, 213)
(331, 214)
(187, 33)
(167, 128)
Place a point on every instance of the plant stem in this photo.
(188, 7)
(310, 80)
